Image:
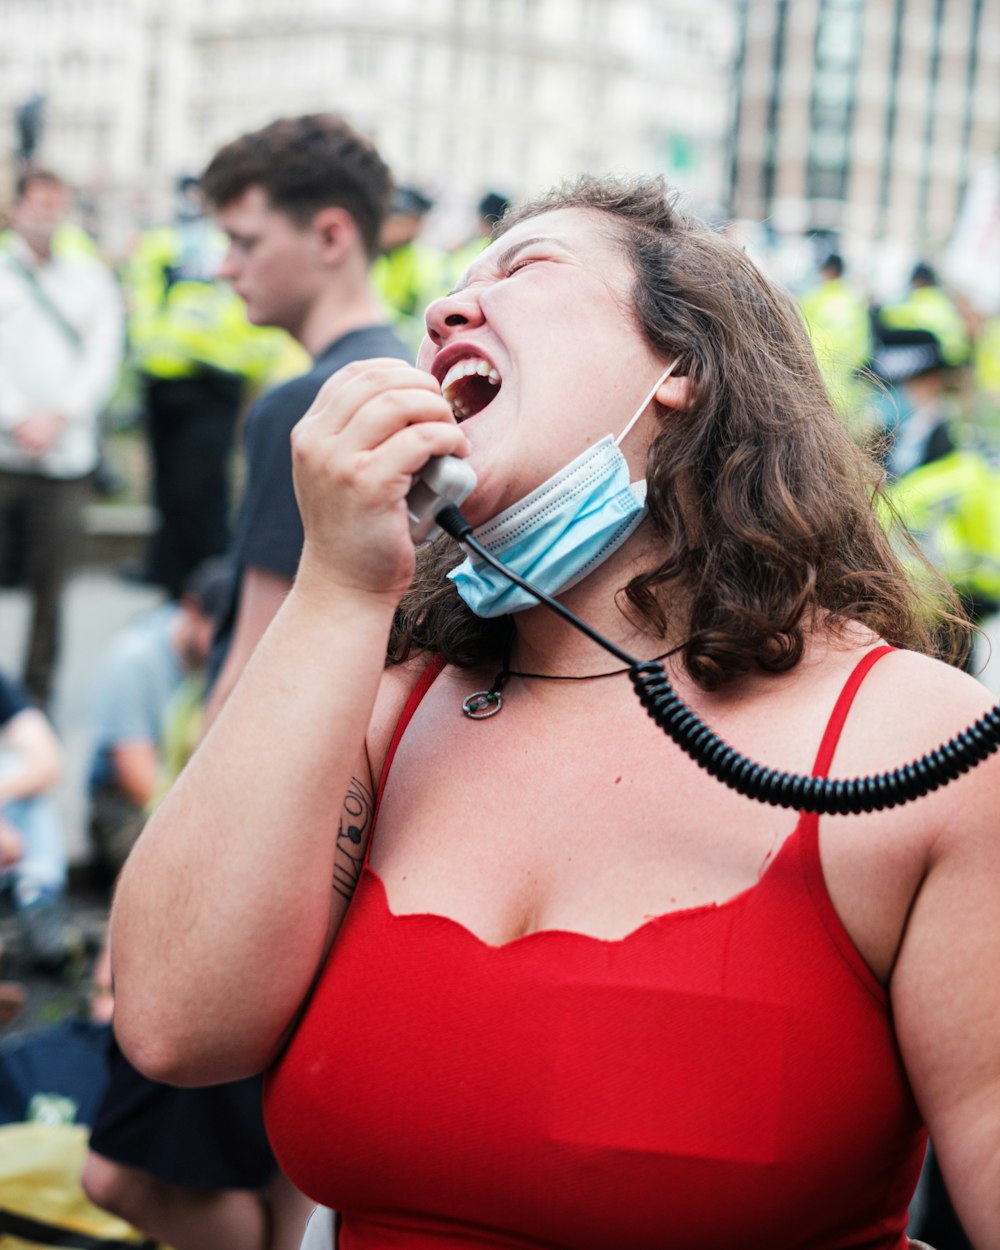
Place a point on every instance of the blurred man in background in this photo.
(196, 353)
(928, 306)
(837, 320)
(144, 668)
(304, 202)
(61, 338)
(490, 208)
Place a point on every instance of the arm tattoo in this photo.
(352, 838)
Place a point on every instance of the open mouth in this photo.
(469, 385)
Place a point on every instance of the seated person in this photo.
(33, 862)
(146, 665)
(12, 994)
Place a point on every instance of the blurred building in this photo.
(459, 94)
(864, 121)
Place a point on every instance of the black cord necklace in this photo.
(482, 704)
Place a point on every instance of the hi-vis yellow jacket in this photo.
(407, 279)
(930, 308)
(839, 327)
(182, 319)
(952, 508)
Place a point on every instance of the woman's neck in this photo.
(545, 643)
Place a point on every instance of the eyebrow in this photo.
(504, 259)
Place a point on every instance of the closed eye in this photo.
(520, 255)
(522, 262)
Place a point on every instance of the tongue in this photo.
(472, 394)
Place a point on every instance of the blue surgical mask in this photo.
(560, 532)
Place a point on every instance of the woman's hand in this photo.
(374, 425)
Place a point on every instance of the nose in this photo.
(227, 267)
(459, 310)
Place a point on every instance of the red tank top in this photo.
(724, 1076)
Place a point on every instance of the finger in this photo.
(357, 383)
(381, 478)
(403, 455)
(378, 420)
(379, 470)
(391, 411)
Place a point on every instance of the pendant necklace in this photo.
(482, 704)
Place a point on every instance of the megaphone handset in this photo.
(442, 480)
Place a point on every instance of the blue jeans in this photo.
(41, 870)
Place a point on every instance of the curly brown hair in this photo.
(766, 512)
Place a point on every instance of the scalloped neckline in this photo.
(674, 914)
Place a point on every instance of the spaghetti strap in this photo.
(427, 679)
(824, 757)
(808, 843)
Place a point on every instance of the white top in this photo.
(42, 369)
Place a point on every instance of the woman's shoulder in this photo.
(921, 693)
(913, 692)
(905, 705)
(910, 704)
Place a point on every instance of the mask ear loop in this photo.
(646, 402)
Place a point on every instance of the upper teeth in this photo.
(465, 369)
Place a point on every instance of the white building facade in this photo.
(865, 122)
(461, 95)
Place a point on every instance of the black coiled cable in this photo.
(824, 795)
(810, 794)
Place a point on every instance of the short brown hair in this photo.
(305, 164)
(27, 178)
(762, 506)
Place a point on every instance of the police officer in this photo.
(408, 273)
(195, 353)
(838, 323)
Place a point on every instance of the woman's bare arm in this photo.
(223, 910)
(946, 992)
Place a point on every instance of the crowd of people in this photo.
(457, 1043)
(917, 382)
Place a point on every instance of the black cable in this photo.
(454, 523)
(767, 785)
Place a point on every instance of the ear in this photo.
(337, 233)
(676, 392)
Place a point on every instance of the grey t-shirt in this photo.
(269, 533)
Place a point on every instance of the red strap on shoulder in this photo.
(427, 679)
(824, 757)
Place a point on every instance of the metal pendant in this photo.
(482, 704)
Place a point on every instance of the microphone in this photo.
(443, 480)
